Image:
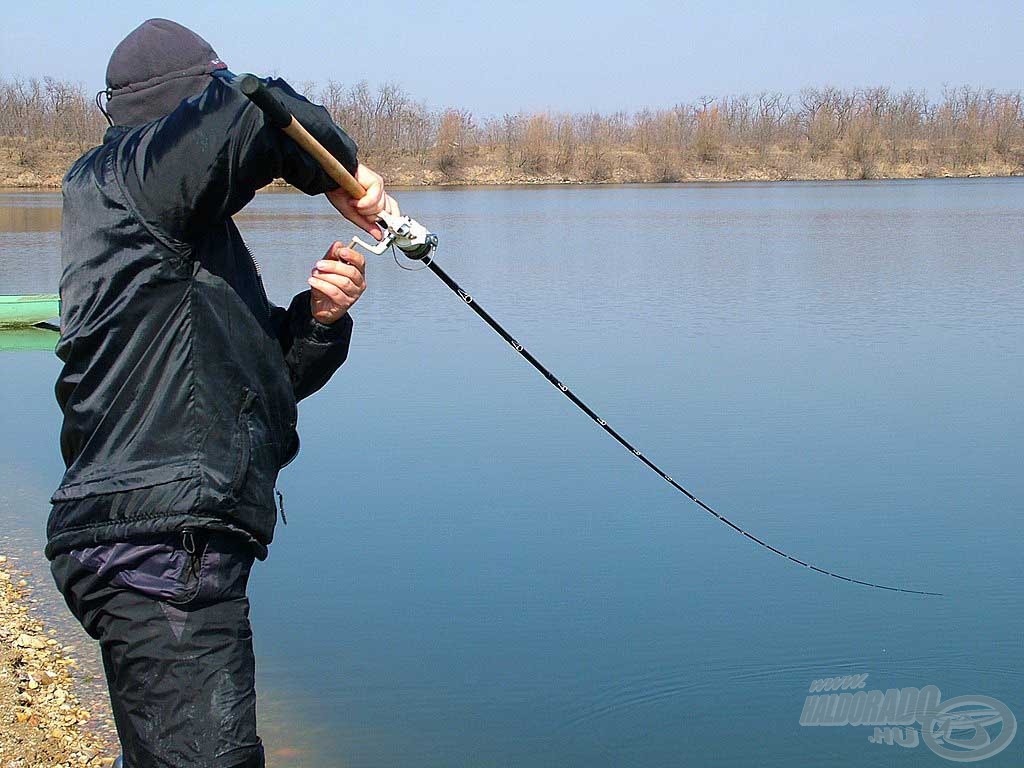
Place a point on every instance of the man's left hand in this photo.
(336, 283)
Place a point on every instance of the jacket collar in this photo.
(115, 132)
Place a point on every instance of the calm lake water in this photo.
(474, 574)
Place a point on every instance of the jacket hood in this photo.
(158, 65)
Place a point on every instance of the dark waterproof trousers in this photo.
(177, 647)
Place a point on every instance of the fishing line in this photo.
(526, 355)
(427, 260)
(419, 244)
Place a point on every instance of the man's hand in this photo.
(363, 212)
(336, 283)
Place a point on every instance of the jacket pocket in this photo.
(241, 444)
(258, 454)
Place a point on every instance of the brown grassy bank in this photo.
(41, 164)
(820, 133)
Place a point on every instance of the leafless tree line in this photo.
(862, 130)
(49, 109)
(862, 133)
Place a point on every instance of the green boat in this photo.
(20, 339)
(24, 311)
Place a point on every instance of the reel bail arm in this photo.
(404, 233)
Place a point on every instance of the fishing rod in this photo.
(419, 244)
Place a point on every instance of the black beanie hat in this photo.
(159, 64)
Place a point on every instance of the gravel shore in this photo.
(50, 715)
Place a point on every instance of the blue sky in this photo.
(492, 58)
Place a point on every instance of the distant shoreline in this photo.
(9, 185)
(41, 164)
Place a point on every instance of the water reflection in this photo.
(38, 212)
(474, 574)
(22, 339)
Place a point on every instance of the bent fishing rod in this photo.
(419, 244)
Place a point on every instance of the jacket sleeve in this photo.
(312, 351)
(205, 161)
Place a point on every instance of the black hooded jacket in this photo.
(180, 378)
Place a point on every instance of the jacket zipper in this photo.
(266, 302)
(259, 274)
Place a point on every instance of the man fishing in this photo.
(180, 384)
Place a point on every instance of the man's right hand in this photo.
(336, 283)
(363, 212)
